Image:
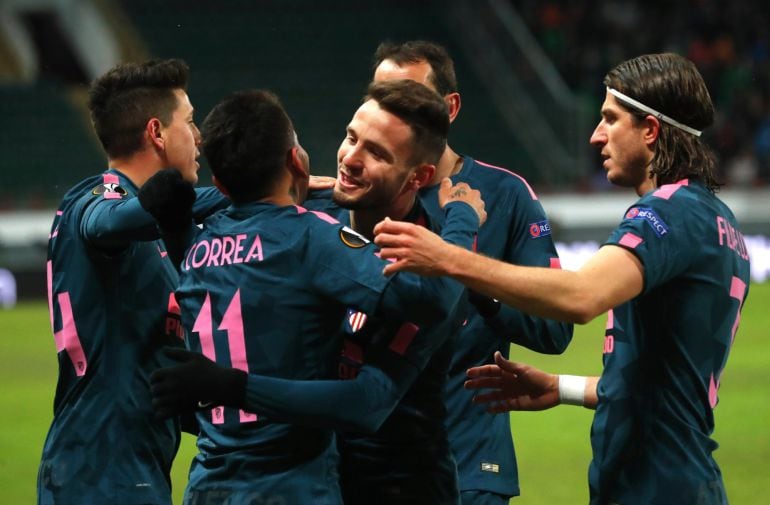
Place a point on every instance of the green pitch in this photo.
(552, 447)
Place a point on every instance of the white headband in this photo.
(650, 110)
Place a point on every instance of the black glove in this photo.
(195, 383)
(169, 198)
(485, 305)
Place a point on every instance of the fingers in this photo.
(394, 268)
(484, 383)
(484, 371)
(392, 231)
(321, 182)
(508, 366)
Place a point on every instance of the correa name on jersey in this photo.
(226, 250)
(651, 217)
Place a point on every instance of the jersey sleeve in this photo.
(207, 201)
(362, 404)
(113, 223)
(529, 243)
(656, 230)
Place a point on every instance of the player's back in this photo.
(263, 288)
(109, 314)
(665, 350)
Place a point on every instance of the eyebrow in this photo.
(379, 149)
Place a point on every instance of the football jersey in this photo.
(516, 231)
(665, 350)
(264, 289)
(110, 293)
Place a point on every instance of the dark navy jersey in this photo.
(264, 289)
(110, 286)
(408, 459)
(516, 231)
(665, 350)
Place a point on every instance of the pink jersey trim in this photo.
(555, 263)
(610, 320)
(173, 306)
(111, 179)
(403, 338)
(49, 282)
(111, 195)
(67, 338)
(630, 240)
(522, 179)
(321, 215)
(713, 388)
(665, 191)
(737, 291)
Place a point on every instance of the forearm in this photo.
(362, 404)
(544, 292)
(536, 333)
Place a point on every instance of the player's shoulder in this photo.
(682, 198)
(495, 177)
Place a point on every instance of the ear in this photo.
(219, 186)
(651, 130)
(422, 176)
(453, 103)
(153, 132)
(295, 165)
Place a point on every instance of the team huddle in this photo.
(327, 341)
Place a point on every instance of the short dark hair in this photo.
(419, 107)
(672, 85)
(246, 140)
(124, 99)
(442, 74)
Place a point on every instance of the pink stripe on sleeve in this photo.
(555, 263)
(68, 336)
(111, 179)
(630, 240)
(403, 338)
(321, 215)
(111, 195)
(49, 282)
(610, 320)
(522, 179)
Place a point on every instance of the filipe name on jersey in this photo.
(221, 251)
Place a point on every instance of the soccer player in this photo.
(516, 231)
(674, 276)
(265, 287)
(110, 285)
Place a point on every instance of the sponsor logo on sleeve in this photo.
(540, 229)
(490, 467)
(650, 217)
(109, 188)
(352, 238)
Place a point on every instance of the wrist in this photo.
(572, 390)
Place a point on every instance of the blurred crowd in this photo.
(729, 41)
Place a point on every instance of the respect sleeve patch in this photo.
(540, 229)
(650, 217)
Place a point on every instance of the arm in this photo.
(361, 404)
(612, 276)
(518, 386)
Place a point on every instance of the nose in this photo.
(350, 157)
(599, 136)
(197, 135)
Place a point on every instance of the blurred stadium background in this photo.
(529, 72)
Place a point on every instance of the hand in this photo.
(514, 386)
(195, 381)
(414, 248)
(321, 182)
(169, 198)
(461, 192)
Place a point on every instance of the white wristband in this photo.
(572, 389)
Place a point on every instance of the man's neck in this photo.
(449, 164)
(364, 220)
(138, 167)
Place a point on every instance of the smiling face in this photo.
(181, 139)
(374, 166)
(626, 148)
